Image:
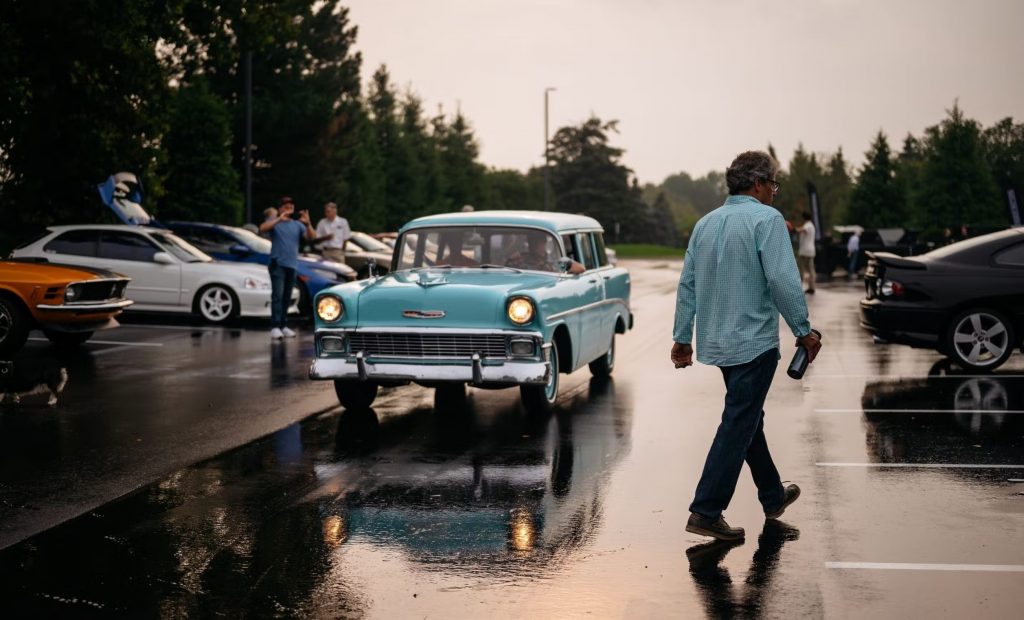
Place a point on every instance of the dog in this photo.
(30, 377)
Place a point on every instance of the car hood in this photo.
(22, 269)
(318, 262)
(445, 298)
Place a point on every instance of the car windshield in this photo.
(479, 246)
(180, 248)
(251, 239)
(368, 243)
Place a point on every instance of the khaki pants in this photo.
(806, 264)
(334, 254)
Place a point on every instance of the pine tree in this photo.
(877, 199)
(957, 186)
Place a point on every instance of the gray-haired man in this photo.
(739, 275)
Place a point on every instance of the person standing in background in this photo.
(852, 253)
(286, 234)
(334, 232)
(806, 252)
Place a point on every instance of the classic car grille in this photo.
(427, 345)
(101, 290)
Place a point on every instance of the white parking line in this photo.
(919, 411)
(985, 568)
(928, 378)
(924, 465)
(175, 327)
(113, 342)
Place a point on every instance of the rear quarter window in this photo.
(74, 243)
(1011, 257)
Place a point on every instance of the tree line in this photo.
(158, 88)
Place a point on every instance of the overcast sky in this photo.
(693, 82)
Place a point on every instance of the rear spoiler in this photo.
(893, 260)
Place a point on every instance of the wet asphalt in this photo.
(192, 471)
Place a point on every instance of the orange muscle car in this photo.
(68, 303)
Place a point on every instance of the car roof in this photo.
(550, 220)
(204, 224)
(131, 227)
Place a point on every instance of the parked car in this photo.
(898, 241)
(168, 274)
(67, 303)
(362, 249)
(457, 309)
(230, 243)
(965, 300)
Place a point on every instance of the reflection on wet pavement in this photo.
(278, 527)
(714, 584)
(946, 419)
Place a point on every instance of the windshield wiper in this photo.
(492, 266)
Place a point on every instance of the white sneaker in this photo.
(276, 333)
(288, 333)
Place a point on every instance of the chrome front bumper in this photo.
(476, 372)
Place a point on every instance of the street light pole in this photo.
(547, 152)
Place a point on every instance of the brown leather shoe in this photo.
(792, 492)
(716, 529)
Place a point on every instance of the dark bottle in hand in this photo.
(798, 366)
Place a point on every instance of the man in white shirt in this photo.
(852, 250)
(805, 251)
(333, 232)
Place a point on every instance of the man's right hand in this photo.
(682, 355)
(811, 342)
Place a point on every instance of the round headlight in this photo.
(71, 293)
(329, 308)
(520, 310)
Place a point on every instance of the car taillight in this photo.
(890, 288)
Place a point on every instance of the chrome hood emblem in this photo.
(423, 314)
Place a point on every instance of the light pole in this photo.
(547, 152)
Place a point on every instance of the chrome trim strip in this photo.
(91, 306)
(429, 331)
(596, 304)
(424, 314)
(510, 373)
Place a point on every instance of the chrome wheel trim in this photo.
(980, 339)
(216, 303)
(6, 322)
(551, 388)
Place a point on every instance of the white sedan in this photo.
(167, 273)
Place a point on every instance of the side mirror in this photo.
(240, 249)
(163, 258)
(564, 263)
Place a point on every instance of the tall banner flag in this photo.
(812, 195)
(1011, 198)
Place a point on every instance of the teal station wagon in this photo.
(492, 299)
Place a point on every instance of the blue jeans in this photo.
(282, 281)
(740, 437)
(851, 266)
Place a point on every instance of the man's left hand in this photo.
(682, 355)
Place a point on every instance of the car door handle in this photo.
(592, 280)
(607, 277)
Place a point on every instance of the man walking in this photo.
(739, 275)
(286, 234)
(806, 251)
(334, 232)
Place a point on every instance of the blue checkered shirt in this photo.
(739, 275)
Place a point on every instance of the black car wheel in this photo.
(980, 339)
(355, 394)
(67, 339)
(13, 325)
(603, 366)
(540, 399)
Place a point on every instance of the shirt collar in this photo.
(742, 199)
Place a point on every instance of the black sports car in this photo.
(965, 300)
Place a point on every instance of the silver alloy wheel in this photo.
(980, 339)
(216, 304)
